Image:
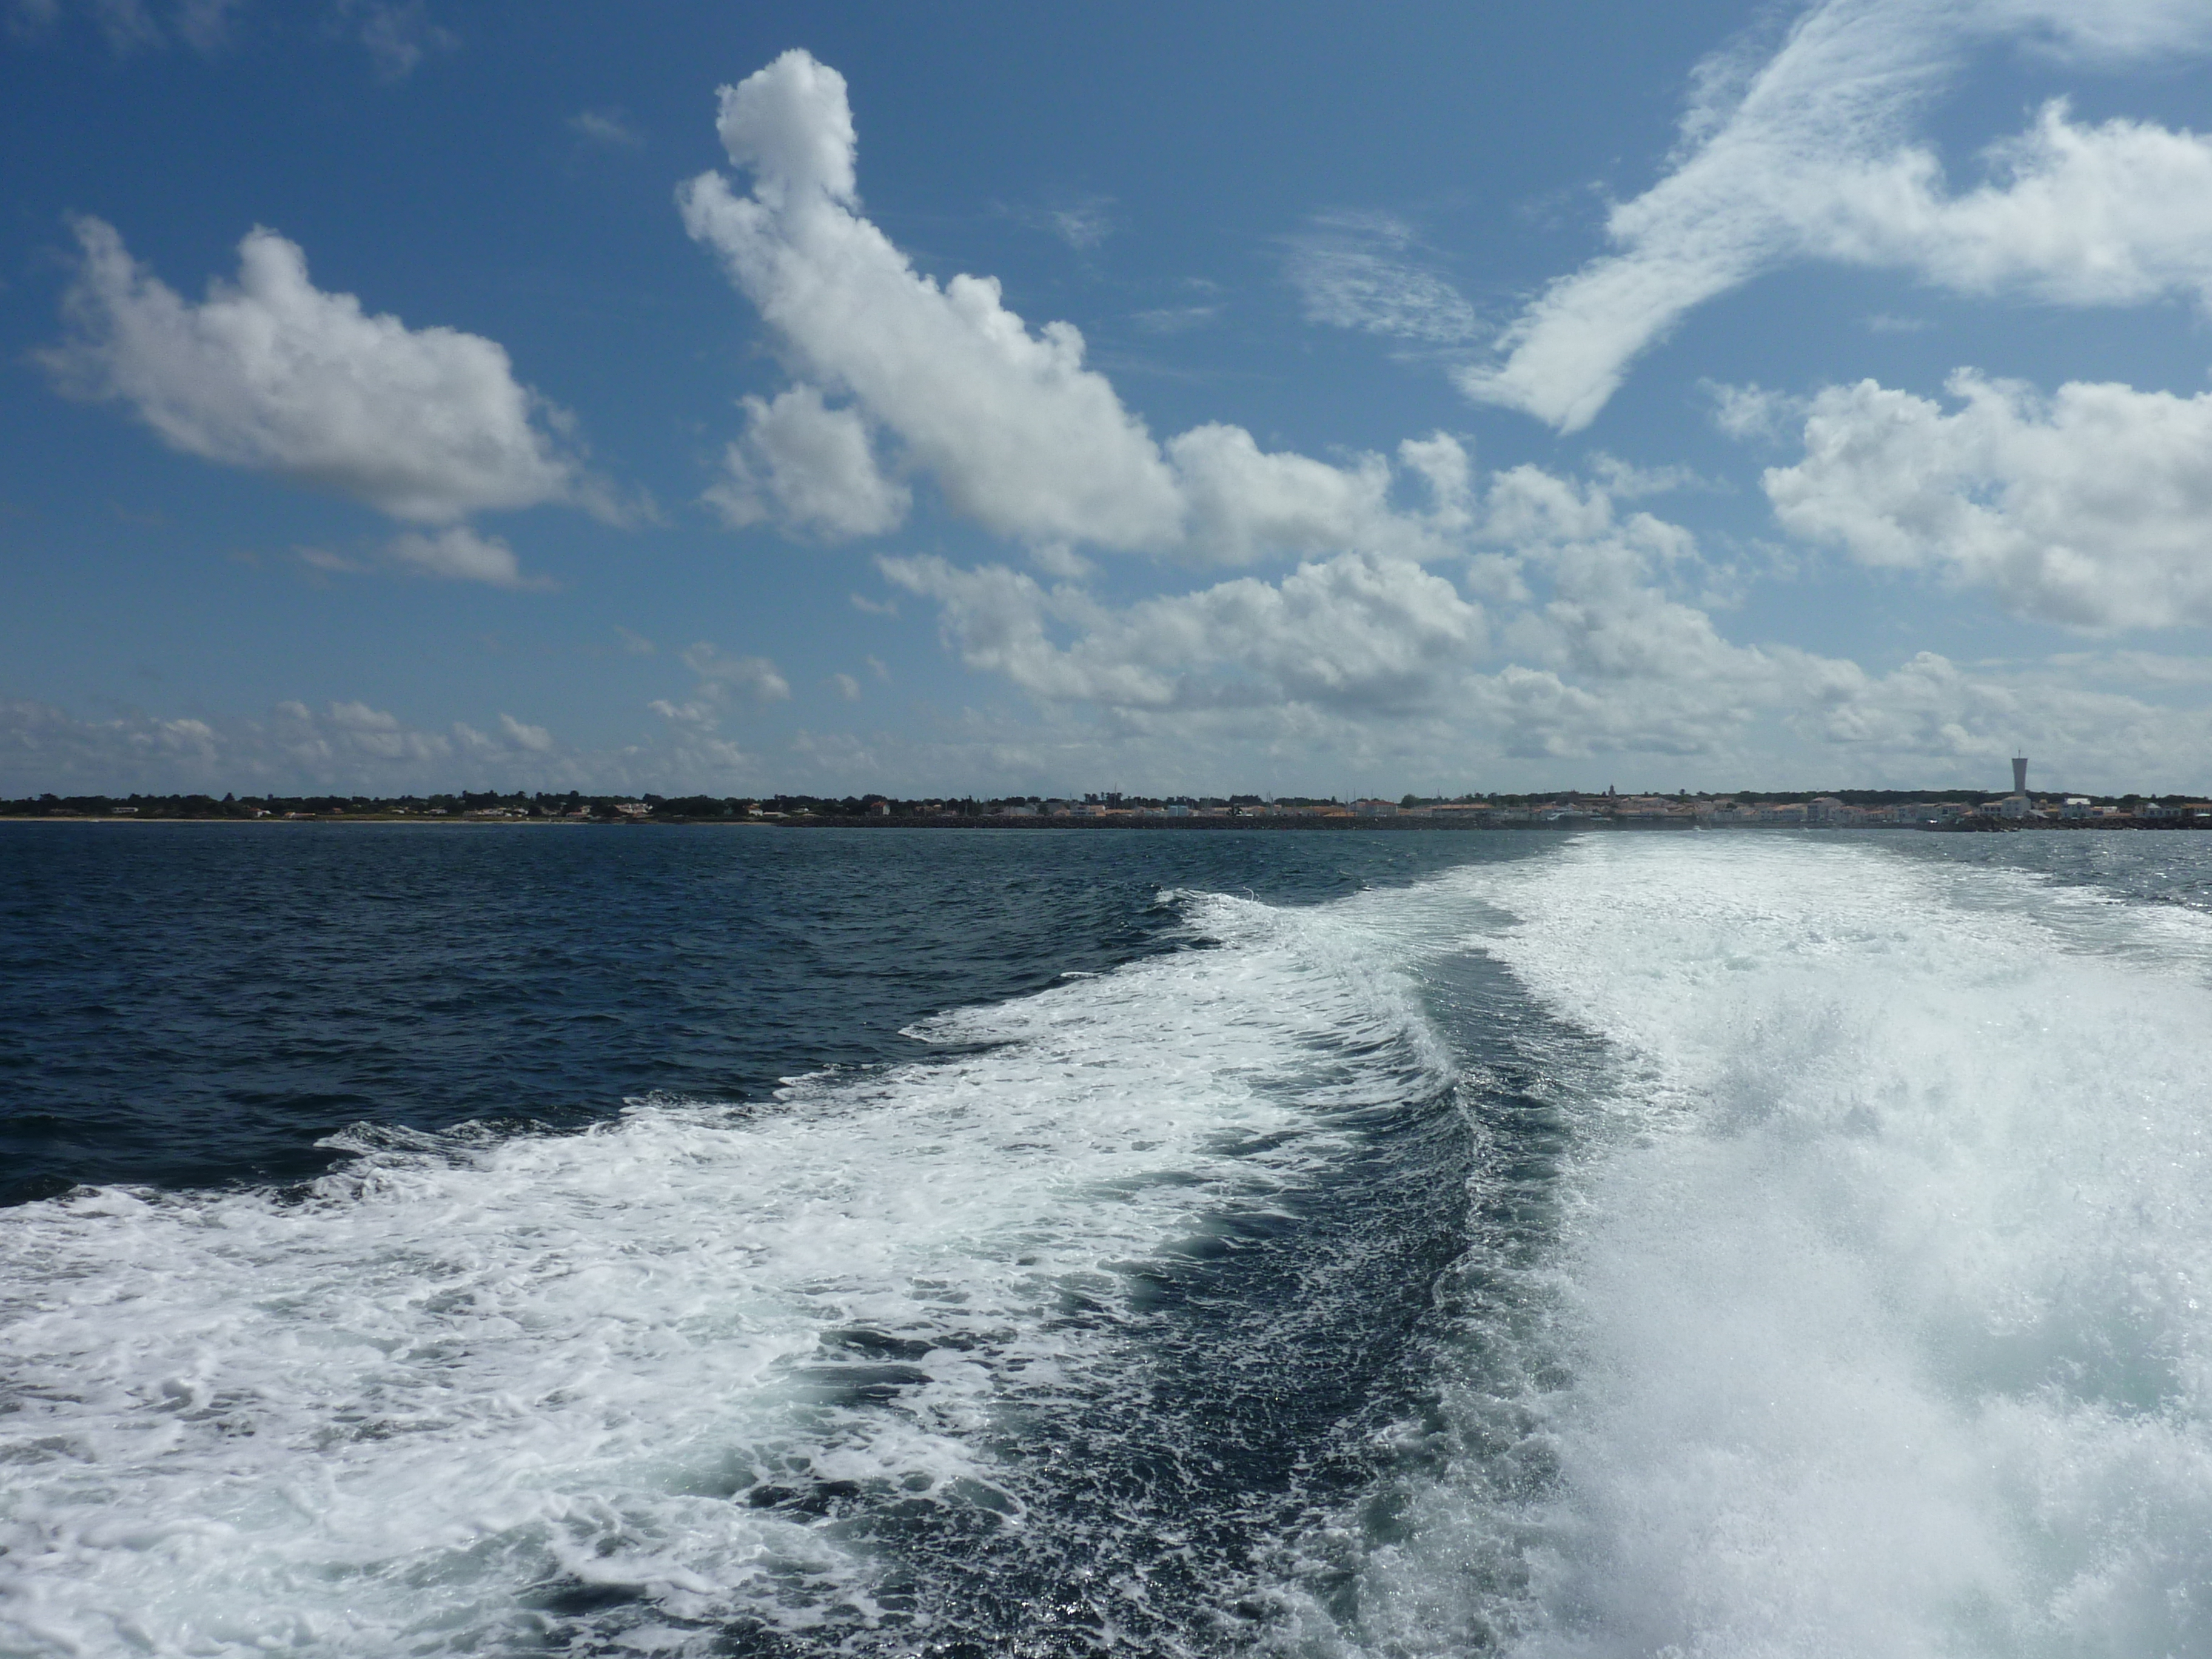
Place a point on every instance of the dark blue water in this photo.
(244, 1007)
(185, 1004)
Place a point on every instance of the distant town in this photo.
(1940, 809)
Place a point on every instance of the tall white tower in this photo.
(2020, 775)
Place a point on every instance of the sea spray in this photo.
(1766, 1244)
(1876, 1316)
(795, 1368)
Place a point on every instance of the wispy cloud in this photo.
(1175, 320)
(1368, 271)
(398, 34)
(1801, 151)
(1753, 411)
(1083, 224)
(606, 126)
(753, 676)
(461, 555)
(129, 26)
(535, 738)
(1625, 480)
(204, 24)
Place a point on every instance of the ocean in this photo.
(439, 1241)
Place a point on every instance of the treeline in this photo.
(573, 803)
(517, 803)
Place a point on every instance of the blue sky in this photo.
(1292, 399)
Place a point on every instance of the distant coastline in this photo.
(1954, 811)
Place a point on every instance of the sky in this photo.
(414, 395)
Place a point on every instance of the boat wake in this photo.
(1716, 1246)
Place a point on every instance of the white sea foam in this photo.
(1882, 1300)
(467, 1377)
(1867, 1315)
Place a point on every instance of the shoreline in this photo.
(1271, 826)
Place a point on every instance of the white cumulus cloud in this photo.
(1805, 154)
(1016, 432)
(1562, 639)
(1575, 636)
(1356, 630)
(2088, 508)
(811, 467)
(270, 373)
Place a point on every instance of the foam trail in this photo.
(1878, 1319)
(676, 1376)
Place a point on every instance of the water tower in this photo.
(2020, 775)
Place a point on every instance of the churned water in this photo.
(444, 1241)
